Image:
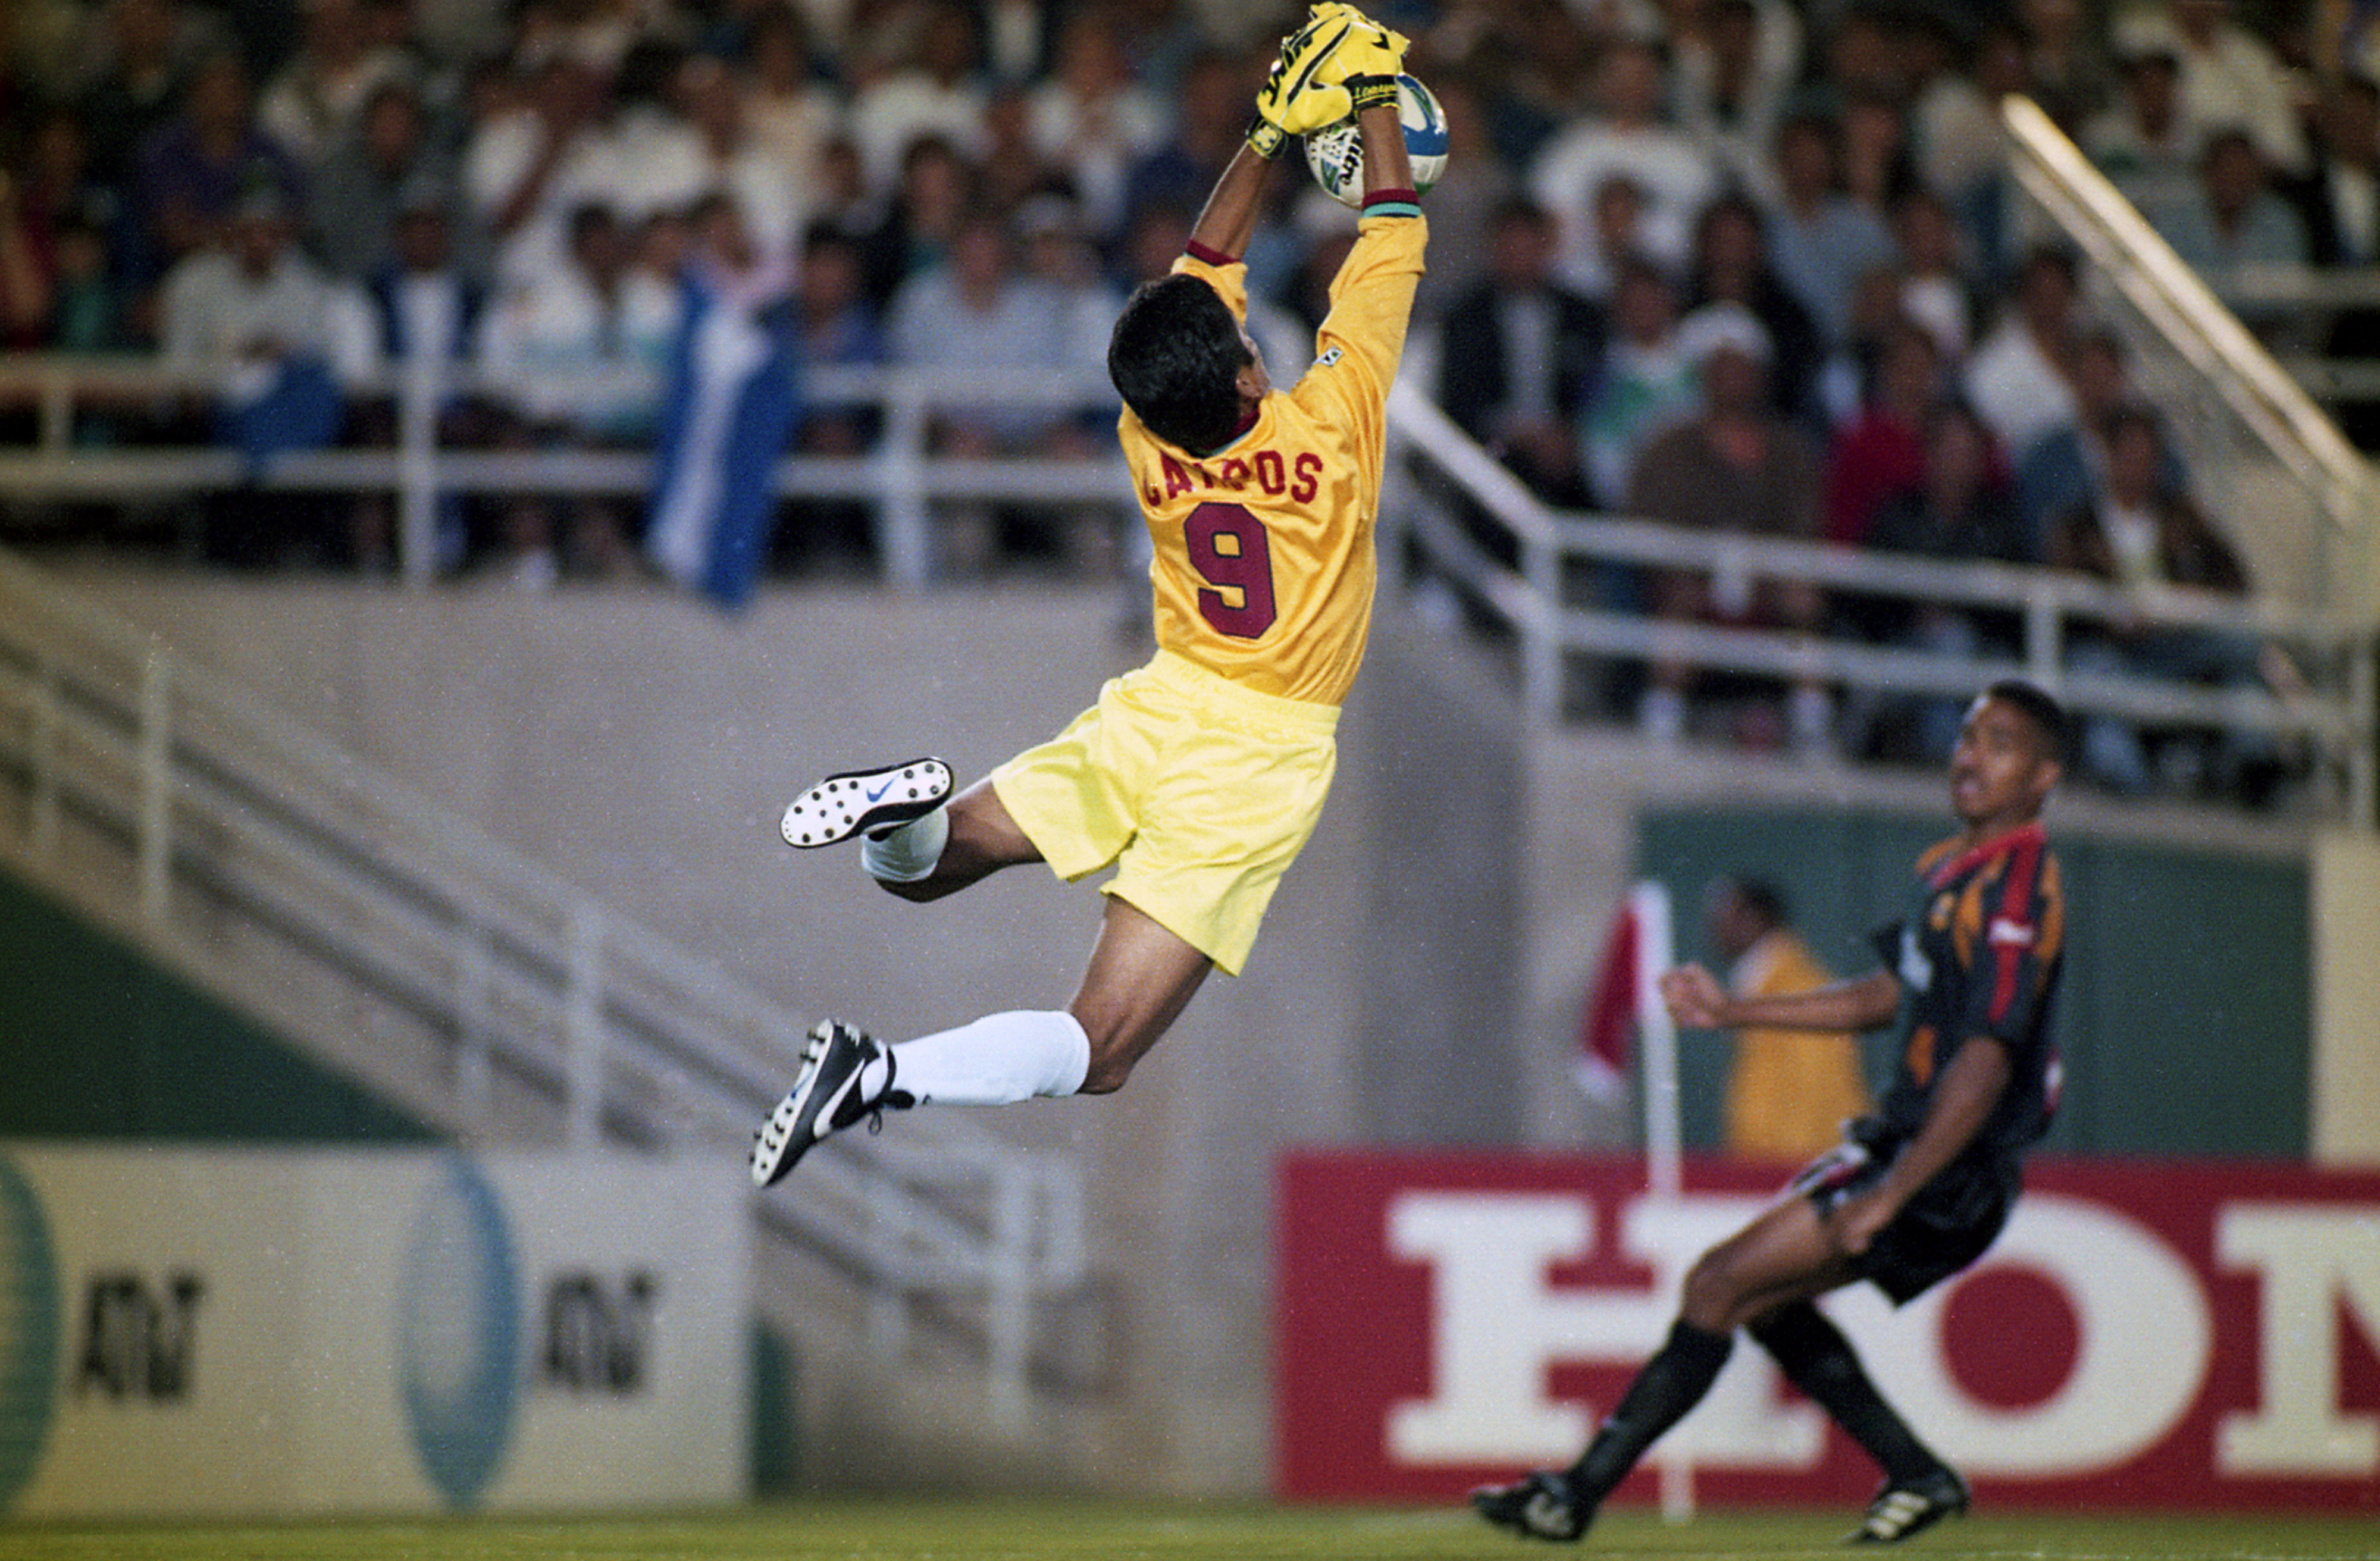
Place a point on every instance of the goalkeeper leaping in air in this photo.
(1201, 774)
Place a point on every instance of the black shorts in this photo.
(1952, 1221)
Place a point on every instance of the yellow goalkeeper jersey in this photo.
(1264, 567)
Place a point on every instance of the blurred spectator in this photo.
(1062, 263)
(1877, 161)
(203, 163)
(973, 310)
(1060, 260)
(2143, 536)
(146, 52)
(260, 319)
(935, 93)
(2340, 203)
(1960, 511)
(1843, 377)
(1730, 266)
(1518, 353)
(1821, 241)
(1789, 1092)
(561, 339)
(1010, 169)
(834, 329)
(1863, 53)
(1735, 60)
(1880, 454)
(1647, 381)
(313, 106)
(730, 407)
(1933, 288)
(1624, 133)
(422, 312)
(1733, 468)
(1474, 187)
(704, 144)
(2067, 466)
(26, 281)
(2229, 76)
(88, 310)
(1212, 119)
(2016, 378)
(2068, 61)
(1090, 119)
(53, 190)
(2146, 141)
(1958, 140)
(1616, 232)
(844, 202)
(351, 205)
(922, 222)
(837, 330)
(1016, 41)
(2235, 218)
(575, 351)
(529, 168)
(788, 104)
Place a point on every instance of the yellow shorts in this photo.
(1202, 791)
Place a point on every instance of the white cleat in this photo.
(866, 802)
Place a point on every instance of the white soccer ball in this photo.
(1336, 155)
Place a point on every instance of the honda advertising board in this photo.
(2183, 1334)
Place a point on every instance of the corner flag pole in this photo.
(1648, 903)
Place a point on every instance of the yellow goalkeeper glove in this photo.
(1368, 62)
(1294, 101)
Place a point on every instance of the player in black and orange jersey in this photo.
(1201, 774)
(1916, 1191)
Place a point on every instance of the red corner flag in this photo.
(1608, 1029)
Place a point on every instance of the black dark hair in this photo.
(2047, 716)
(1763, 899)
(1175, 358)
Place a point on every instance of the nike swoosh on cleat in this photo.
(878, 793)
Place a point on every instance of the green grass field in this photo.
(887, 1529)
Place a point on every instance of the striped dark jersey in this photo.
(1979, 954)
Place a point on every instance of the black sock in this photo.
(1673, 1382)
(1820, 1361)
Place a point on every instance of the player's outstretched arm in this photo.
(1294, 101)
(1695, 1000)
(1228, 220)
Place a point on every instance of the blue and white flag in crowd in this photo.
(730, 405)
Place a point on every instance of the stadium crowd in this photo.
(1737, 264)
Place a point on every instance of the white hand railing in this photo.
(474, 987)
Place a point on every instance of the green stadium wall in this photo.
(102, 1043)
(2184, 1017)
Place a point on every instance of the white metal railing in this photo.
(2337, 713)
(901, 477)
(2130, 253)
(177, 807)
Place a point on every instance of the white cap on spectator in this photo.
(1716, 327)
(2141, 35)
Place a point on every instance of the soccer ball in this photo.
(1336, 155)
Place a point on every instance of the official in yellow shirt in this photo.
(1789, 1091)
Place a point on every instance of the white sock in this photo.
(909, 852)
(998, 1059)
